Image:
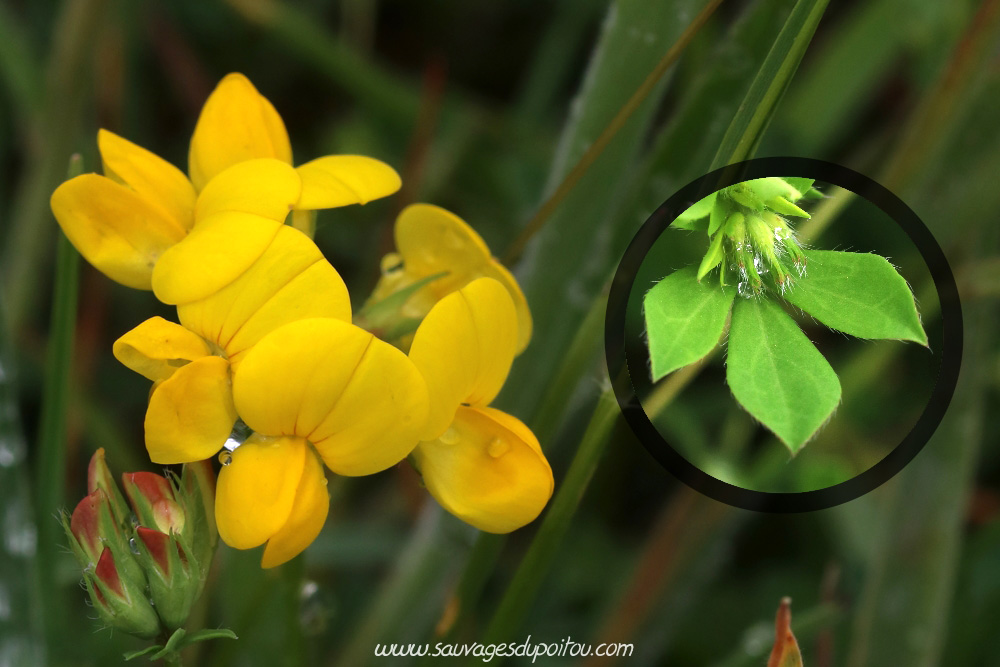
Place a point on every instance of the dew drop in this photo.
(497, 447)
(133, 546)
(743, 289)
(225, 457)
(449, 437)
(759, 265)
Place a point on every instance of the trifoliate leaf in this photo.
(860, 294)
(777, 374)
(684, 320)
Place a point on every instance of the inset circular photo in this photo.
(791, 334)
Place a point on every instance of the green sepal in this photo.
(718, 216)
(785, 207)
(777, 374)
(380, 313)
(684, 320)
(713, 257)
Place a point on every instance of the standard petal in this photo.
(237, 123)
(488, 470)
(464, 349)
(256, 491)
(341, 180)
(290, 281)
(264, 186)
(431, 240)
(157, 347)
(216, 252)
(160, 183)
(312, 503)
(191, 413)
(116, 229)
(358, 399)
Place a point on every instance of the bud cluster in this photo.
(751, 241)
(144, 562)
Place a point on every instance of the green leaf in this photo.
(131, 655)
(209, 633)
(777, 374)
(803, 185)
(860, 294)
(684, 320)
(699, 209)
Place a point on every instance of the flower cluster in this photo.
(266, 343)
(749, 236)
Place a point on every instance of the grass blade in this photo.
(754, 114)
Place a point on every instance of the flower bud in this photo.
(99, 477)
(120, 602)
(712, 258)
(152, 498)
(174, 582)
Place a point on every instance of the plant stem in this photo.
(51, 472)
(537, 561)
(754, 114)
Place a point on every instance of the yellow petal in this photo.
(431, 239)
(340, 180)
(464, 349)
(117, 230)
(157, 347)
(488, 470)
(191, 413)
(358, 399)
(265, 187)
(237, 123)
(256, 491)
(157, 181)
(499, 272)
(312, 503)
(290, 281)
(216, 252)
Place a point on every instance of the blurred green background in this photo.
(484, 108)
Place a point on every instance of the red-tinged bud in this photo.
(156, 544)
(99, 477)
(84, 526)
(119, 601)
(152, 498)
(174, 582)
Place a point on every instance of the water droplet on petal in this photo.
(225, 457)
(449, 437)
(497, 447)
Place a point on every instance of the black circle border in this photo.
(618, 359)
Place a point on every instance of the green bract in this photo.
(774, 370)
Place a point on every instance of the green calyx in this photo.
(750, 239)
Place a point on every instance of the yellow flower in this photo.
(123, 221)
(235, 278)
(481, 464)
(315, 388)
(431, 240)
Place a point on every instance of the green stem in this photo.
(770, 83)
(51, 471)
(541, 554)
